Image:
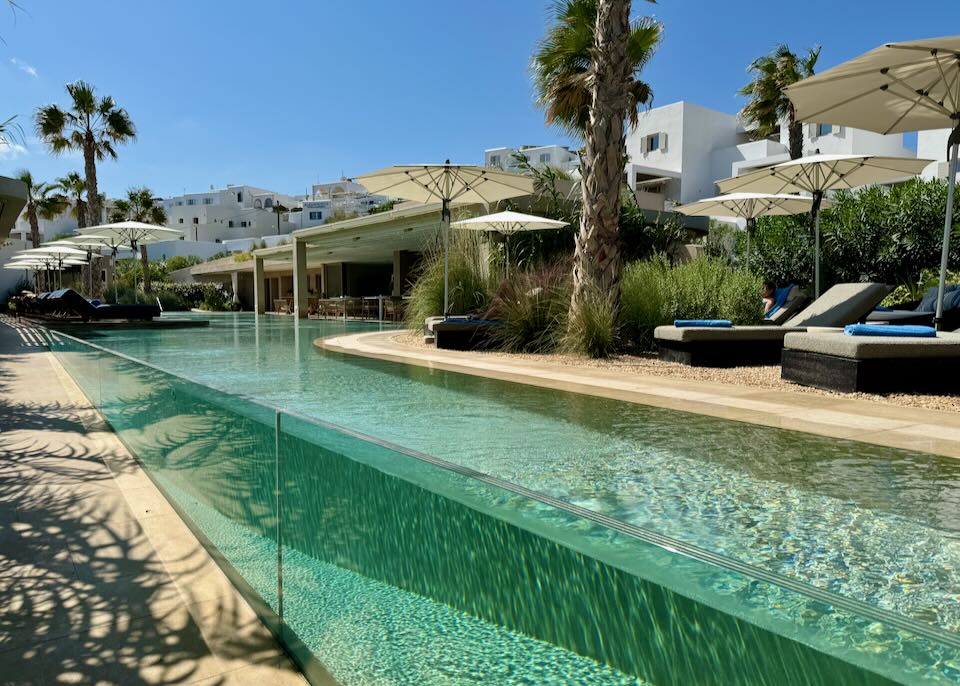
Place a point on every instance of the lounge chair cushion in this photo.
(735, 333)
(795, 300)
(951, 298)
(874, 347)
(842, 304)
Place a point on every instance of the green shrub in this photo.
(531, 306)
(471, 276)
(593, 329)
(202, 295)
(182, 262)
(653, 293)
(911, 292)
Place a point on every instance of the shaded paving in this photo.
(100, 581)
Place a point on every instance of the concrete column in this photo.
(259, 286)
(300, 291)
(403, 262)
(233, 283)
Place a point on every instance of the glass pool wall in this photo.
(374, 564)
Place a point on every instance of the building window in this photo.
(191, 201)
(208, 201)
(179, 203)
(180, 220)
(243, 225)
(653, 142)
(824, 129)
(268, 203)
(239, 196)
(494, 160)
(230, 224)
(316, 215)
(544, 158)
(196, 220)
(257, 204)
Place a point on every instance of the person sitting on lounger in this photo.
(769, 296)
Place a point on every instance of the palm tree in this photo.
(74, 187)
(92, 125)
(140, 205)
(563, 65)
(42, 203)
(586, 76)
(769, 106)
(279, 209)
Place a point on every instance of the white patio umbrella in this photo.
(113, 242)
(92, 244)
(446, 183)
(133, 234)
(748, 206)
(509, 223)
(51, 258)
(817, 174)
(896, 88)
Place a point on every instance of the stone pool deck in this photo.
(925, 430)
(100, 580)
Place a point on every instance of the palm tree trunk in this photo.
(82, 214)
(34, 226)
(795, 131)
(145, 263)
(596, 265)
(90, 172)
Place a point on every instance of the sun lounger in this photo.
(924, 310)
(845, 303)
(873, 364)
(66, 303)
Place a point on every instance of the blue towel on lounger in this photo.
(712, 323)
(902, 331)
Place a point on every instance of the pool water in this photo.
(876, 525)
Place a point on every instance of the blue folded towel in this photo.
(902, 331)
(713, 323)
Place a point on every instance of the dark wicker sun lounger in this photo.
(66, 303)
(845, 303)
(873, 364)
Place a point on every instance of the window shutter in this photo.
(812, 130)
(663, 142)
(838, 131)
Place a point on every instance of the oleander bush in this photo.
(654, 293)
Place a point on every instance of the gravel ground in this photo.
(757, 377)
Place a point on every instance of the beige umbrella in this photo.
(131, 233)
(509, 223)
(748, 206)
(817, 174)
(446, 183)
(898, 87)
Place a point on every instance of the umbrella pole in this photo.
(750, 221)
(947, 230)
(817, 198)
(445, 228)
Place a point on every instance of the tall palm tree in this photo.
(92, 125)
(75, 188)
(769, 105)
(43, 202)
(140, 205)
(563, 64)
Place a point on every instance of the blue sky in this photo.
(285, 94)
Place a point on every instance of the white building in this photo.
(678, 151)
(231, 212)
(558, 156)
(932, 145)
(345, 197)
(62, 224)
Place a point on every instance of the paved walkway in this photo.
(100, 581)
(880, 423)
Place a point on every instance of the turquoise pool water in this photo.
(875, 525)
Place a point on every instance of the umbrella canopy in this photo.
(898, 87)
(132, 233)
(817, 174)
(748, 206)
(509, 223)
(55, 251)
(446, 183)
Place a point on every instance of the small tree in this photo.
(43, 202)
(140, 205)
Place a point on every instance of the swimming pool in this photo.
(876, 526)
